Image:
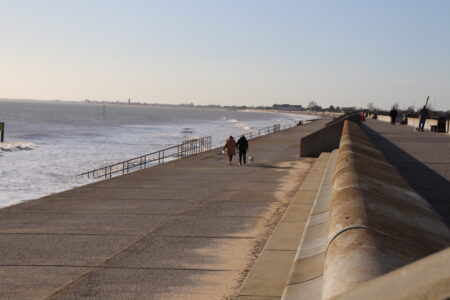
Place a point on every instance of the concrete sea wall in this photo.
(378, 223)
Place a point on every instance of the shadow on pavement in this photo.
(427, 183)
(266, 166)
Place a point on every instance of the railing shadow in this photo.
(429, 184)
(256, 165)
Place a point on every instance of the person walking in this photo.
(242, 145)
(230, 145)
(423, 117)
(393, 115)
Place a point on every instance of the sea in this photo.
(48, 143)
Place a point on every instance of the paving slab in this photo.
(105, 206)
(245, 195)
(269, 279)
(298, 213)
(139, 193)
(34, 282)
(304, 197)
(231, 208)
(212, 226)
(29, 222)
(59, 250)
(286, 236)
(124, 283)
(185, 253)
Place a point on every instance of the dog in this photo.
(250, 159)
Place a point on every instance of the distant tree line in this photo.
(312, 106)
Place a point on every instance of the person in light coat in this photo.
(230, 145)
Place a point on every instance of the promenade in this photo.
(422, 158)
(188, 229)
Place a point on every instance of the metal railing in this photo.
(185, 149)
(263, 131)
(266, 130)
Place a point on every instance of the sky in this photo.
(341, 53)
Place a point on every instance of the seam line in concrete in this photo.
(256, 295)
(305, 280)
(376, 231)
(119, 267)
(206, 237)
(59, 233)
(280, 250)
(30, 211)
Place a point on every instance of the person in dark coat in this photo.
(423, 117)
(242, 145)
(393, 115)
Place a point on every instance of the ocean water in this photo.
(48, 143)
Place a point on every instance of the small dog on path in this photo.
(250, 159)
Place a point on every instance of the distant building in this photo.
(287, 107)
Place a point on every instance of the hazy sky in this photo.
(227, 52)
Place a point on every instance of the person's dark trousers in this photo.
(421, 124)
(392, 120)
(242, 154)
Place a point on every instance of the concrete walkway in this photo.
(189, 229)
(422, 158)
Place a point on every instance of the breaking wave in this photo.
(238, 124)
(16, 146)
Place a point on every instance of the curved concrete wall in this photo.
(326, 139)
(427, 278)
(377, 222)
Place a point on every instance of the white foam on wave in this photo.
(192, 137)
(16, 146)
(239, 124)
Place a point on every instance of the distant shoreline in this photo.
(185, 106)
